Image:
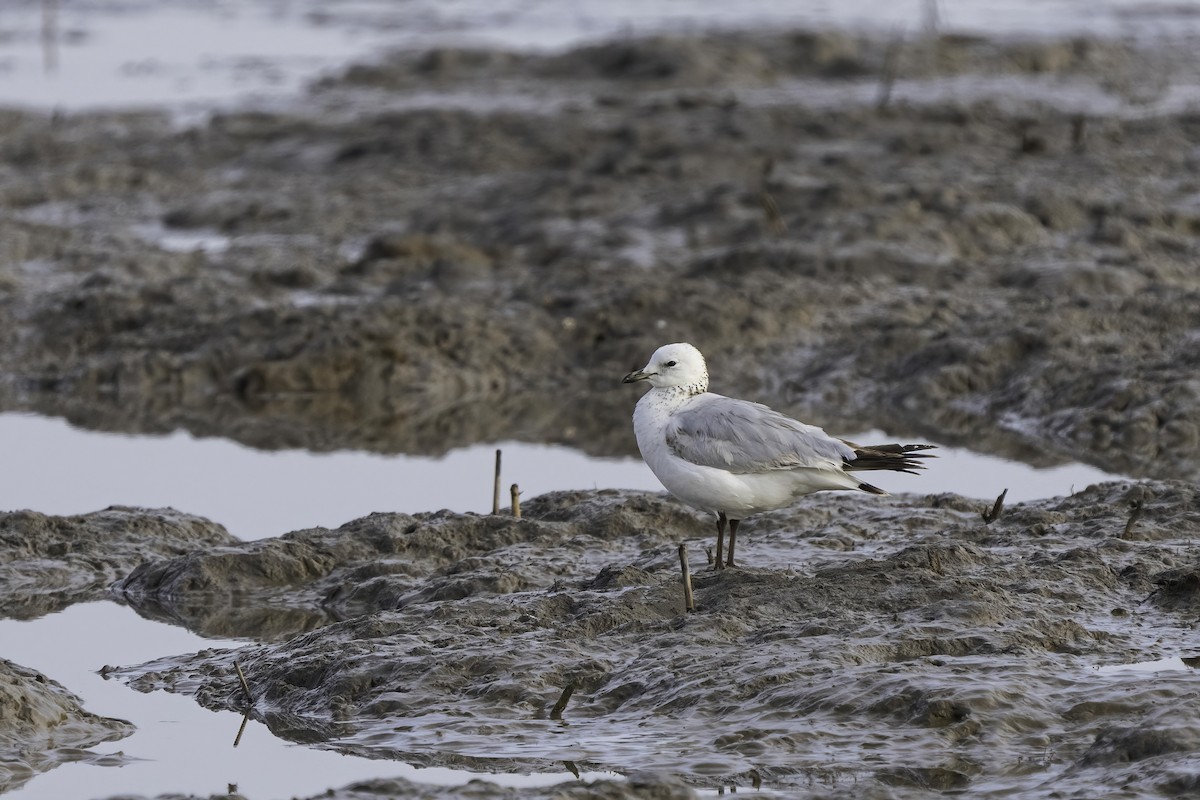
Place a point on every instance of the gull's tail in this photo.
(896, 457)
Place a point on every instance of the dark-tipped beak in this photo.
(634, 377)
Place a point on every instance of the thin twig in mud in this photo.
(496, 486)
(245, 686)
(774, 218)
(241, 729)
(1078, 133)
(889, 70)
(516, 500)
(993, 514)
(688, 605)
(50, 36)
(931, 23)
(770, 207)
(1135, 513)
(931, 17)
(563, 699)
(708, 553)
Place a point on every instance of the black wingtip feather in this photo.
(895, 457)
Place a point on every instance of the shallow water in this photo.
(256, 494)
(189, 56)
(179, 746)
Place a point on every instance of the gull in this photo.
(734, 457)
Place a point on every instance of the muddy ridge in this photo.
(48, 562)
(457, 246)
(859, 635)
(42, 725)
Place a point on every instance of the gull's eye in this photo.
(670, 363)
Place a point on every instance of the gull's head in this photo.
(673, 365)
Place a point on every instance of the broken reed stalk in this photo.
(1079, 132)
(245, 686)
(516, 500)
(1135, 511)
(887, 74)
(496, 486)
(771, 209)
(563, 699)
(993, 514)
(688, 605)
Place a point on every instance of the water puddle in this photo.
(178, 240)
(1176, 664)
(86, 55)
(189, 56)
(256, 494)
(179, 746)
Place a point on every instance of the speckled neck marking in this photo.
(699, 386)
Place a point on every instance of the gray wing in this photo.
(744, 437)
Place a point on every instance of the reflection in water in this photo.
(255, 494)
(180, 747)
(50, 36)
(1176, 664)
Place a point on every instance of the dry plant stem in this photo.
(688, 604)
(245, 686)
(496, 486)
(563, 699)
(887, 75)
(993, 514)
(516, 500)
(1135, 511)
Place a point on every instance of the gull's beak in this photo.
(634, 377)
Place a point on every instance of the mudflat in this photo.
(989, 243)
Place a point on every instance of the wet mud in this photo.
(43, 725)
(48, 563)
(988, 243)
(984, 242)
(859, 635)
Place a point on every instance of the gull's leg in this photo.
(733, 525)
(720, 540)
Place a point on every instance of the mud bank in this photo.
(42, 725)
(865, 648)
(50, 562)
(990, 243)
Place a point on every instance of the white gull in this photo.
(736, 458)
